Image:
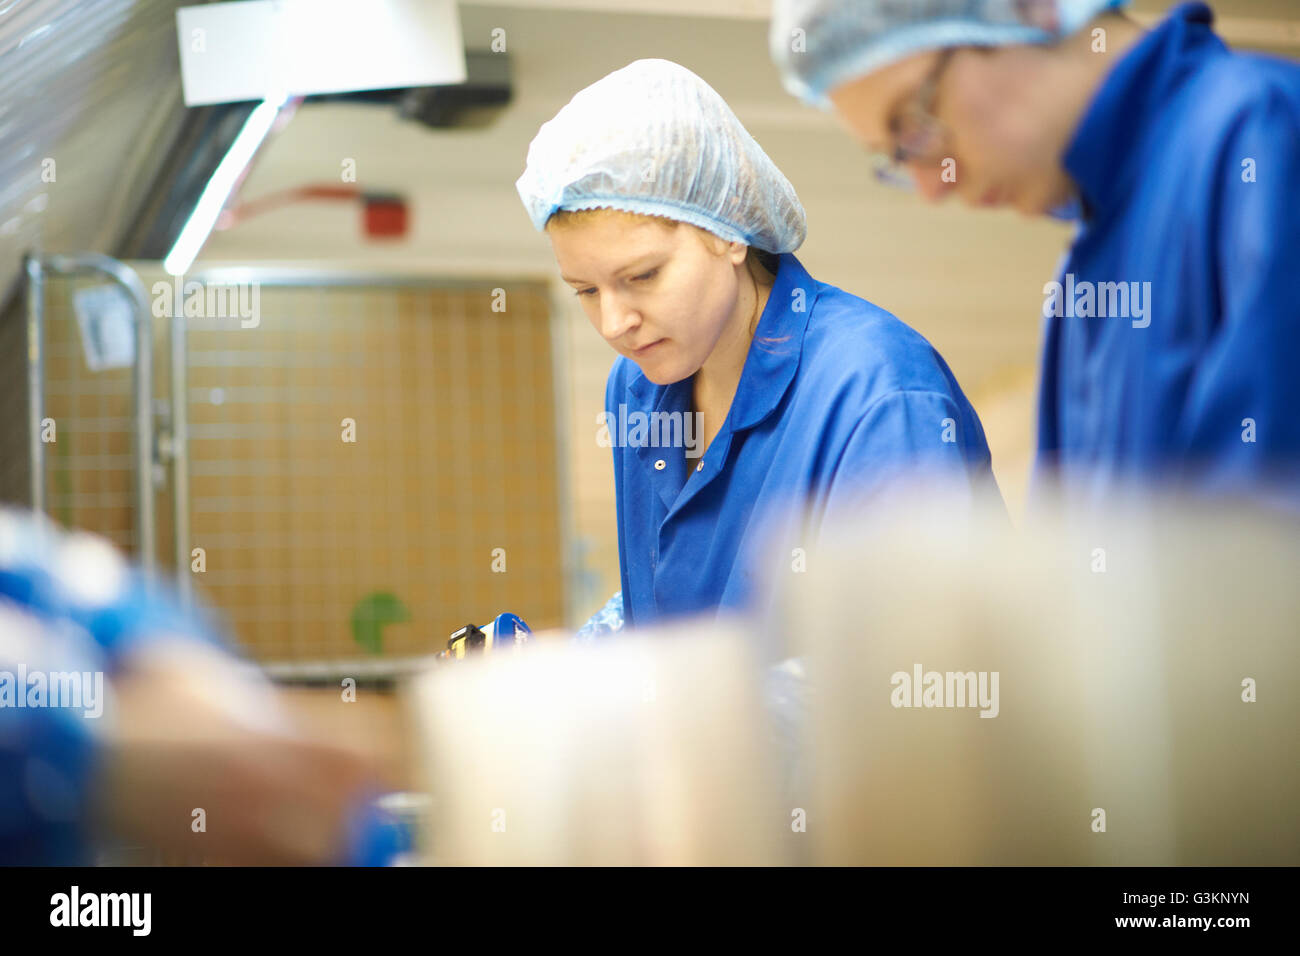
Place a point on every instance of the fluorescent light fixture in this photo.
(235, 52)
(199, 226)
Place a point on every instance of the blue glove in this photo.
(608, 620)
(376, 837)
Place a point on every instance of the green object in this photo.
(371, 614)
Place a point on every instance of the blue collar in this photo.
(1110, 145)
(773, 356)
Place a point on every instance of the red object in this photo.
(385, 217)
(385, 213)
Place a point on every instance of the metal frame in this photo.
(37, 268)
(293, 276)
(313, 276)
(384, 668)
(180, 452)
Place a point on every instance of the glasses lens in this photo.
(891, 174)
(920, 138)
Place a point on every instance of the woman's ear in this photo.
(738, 252)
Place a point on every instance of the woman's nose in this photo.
(616, 318)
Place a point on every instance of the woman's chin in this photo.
(660, 378)
(663, 373)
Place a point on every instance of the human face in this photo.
(916, 135)
(990, 121)
(655, 290)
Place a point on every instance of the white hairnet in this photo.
(821, 44)
(654, 138)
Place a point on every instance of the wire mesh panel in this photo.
(88, 418)
(373, 466)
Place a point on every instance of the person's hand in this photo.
(191, 729)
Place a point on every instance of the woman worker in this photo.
(1171, 336)
(676, 232)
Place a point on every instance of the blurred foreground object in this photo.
(195, 729)
(953, 692)
(632, 751)
(1121, 690)
(124, 721)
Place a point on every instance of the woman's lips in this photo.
(646, 349)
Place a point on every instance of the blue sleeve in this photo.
(79, 578)
(68, 604)
(1240, 428)
(612, 388)
(907, 437)
(46, 753)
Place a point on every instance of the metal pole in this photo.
(36, 378)
(180, 449)
(142, 382)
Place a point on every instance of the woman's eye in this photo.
(646, 275)
(585, 292)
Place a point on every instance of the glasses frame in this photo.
(923, 138)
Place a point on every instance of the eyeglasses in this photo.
(916, 133)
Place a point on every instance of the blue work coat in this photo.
(837, 402)
(1173, 332)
